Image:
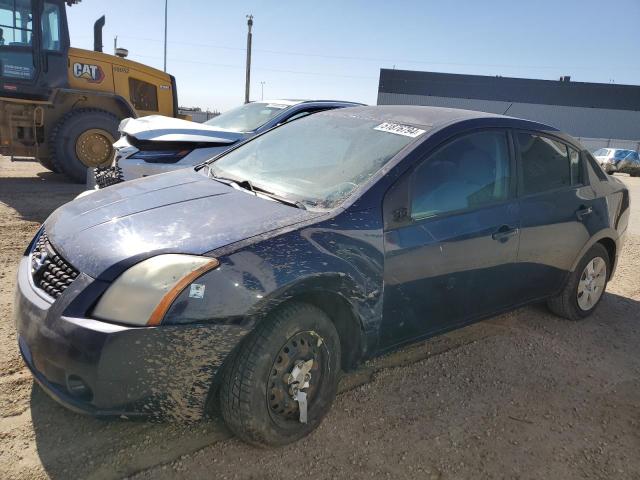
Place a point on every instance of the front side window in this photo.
(469, 172)
(318, 160)
(16, 27)
(545, 163)
(51, 27)
(16, 40)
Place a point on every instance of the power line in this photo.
(277, 70)
(372, 59)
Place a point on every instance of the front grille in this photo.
(105, 177)
(50, 272)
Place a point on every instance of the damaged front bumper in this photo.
(104, 369)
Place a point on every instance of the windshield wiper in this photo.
(247, 185)
(278, 198)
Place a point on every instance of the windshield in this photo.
(247, 117)
(318, 160)
(619, 154)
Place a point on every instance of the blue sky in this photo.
(335, 49)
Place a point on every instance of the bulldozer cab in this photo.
(34, 44)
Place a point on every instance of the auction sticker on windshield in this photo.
(399, 129)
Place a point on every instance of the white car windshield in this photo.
(247, 118)
(318, 160)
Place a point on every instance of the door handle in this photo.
(583, 212)
(504, 233)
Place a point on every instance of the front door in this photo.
(453, 257)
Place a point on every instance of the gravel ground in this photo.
(521, 395)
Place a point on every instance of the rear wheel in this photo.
(290, 359)
(83, 139)
(585, 287)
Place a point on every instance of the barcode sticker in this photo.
(399, 129)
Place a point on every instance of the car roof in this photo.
(291, 102)
(435, 117)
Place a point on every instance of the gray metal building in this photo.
(599, 114)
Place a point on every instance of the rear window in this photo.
(144, 95)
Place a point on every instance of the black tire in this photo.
(253, 380)
(566, 303)
(65, 135)
(48, 164)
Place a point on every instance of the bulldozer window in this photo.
(51, 27)
(16, 39)
(15, 22)
(144, 96)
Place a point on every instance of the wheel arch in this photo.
(337, 296)
(66, 100)
(344, 318)
(606, 238)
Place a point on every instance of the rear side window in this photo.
(545, 163)
(595, 166)
(576, 167)
(143, 95)
(469, 172)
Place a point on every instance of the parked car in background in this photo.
(304, 251)
(619, 160)
(158, 144)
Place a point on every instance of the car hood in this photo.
(158, 128)
(104, 232)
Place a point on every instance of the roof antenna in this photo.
(505, 112)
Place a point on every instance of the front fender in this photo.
(333, 256)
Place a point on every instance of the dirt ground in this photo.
(521, 395)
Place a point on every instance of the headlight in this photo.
(160, 156)
(143, 294)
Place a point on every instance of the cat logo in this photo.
(91, 73)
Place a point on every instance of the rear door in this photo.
(556, 205)
(450, 252)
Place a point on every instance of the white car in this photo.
(158, 144)
(618, 160)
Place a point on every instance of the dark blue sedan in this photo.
(251, 282)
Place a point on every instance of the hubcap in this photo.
(297, 367)
(94, 147)
(592, 282)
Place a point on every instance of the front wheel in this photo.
(83, 139)
(280, 383)
(583, 291)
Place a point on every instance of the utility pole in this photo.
(166, 2)
(248, 78)
(262, 90)
(115, 44)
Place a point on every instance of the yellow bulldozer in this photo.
(62, 105)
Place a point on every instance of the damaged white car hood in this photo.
(159, 128)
